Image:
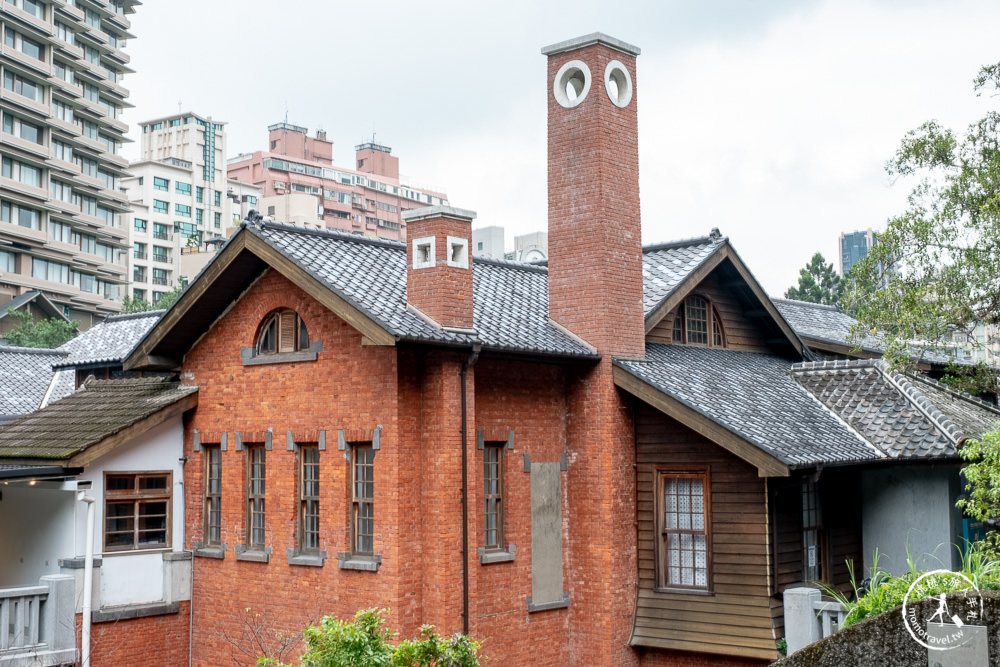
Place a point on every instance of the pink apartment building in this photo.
(299, 184)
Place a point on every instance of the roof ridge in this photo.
(822, 306)
(832, 364)
(328, 233)
(33, 350)
(509, 263)
(121, 317)
(680, 243)
(965, 396)
(943, 423)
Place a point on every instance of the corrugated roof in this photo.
(109, 341)
(101, 408)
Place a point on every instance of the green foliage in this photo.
(818, 283)
(133, 305)
(366, 642)
(50, 333)
(982, 477)
(783, 646)
(946, 242)
(883, 592)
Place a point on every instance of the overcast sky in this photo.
(769, 120)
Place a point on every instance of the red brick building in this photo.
(613, 460)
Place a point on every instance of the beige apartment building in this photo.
(299, 184)
(63, 217)
(182, 203)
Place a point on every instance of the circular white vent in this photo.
(572, 83)
(618, 83)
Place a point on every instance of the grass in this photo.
(881, 591)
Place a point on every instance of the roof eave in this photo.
(766, 464)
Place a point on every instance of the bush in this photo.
(365, 642)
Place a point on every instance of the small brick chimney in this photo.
(595, 246)
(439, 264)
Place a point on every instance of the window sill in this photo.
(249, 356)
(349, 561)
(683, 591)
(252, 555)
(296, 557)
(214, 551)
(488, 557)
(545, 606)
(125, 612)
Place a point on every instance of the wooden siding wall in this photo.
(735, 617)
(741, 332)
(841, 509)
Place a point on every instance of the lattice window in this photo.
(684, 530)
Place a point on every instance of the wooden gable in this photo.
(223, 281)
(749, 320)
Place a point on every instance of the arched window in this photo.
(282, 331)
(697, 322)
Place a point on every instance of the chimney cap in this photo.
(587, 40)
(428, 212)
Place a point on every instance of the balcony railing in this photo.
(38, 623)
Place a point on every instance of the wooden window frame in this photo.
(493, 455)
(282, 331)
(256, 497)
(212, 499)
(713, 324)
(359, 502)
(309, 499)
(662, 533)
(137, 496)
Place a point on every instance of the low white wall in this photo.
(36, 529)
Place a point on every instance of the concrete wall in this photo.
(911, 506)
(36, 529)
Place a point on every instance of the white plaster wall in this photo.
(910, 506)
(137, 577)
(36, 529)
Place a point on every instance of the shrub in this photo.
(365, 642)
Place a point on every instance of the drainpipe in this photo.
(88, 580)
(466, 365)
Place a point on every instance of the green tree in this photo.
(50, 333)
(134, 305)
(366, 642)
(935, 272)
(818, 283)
(946, 247)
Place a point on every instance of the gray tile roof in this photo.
(884, 407)
(109, 341)
(98, 410)
(510, 299)
(25, 374)
(754, 397)
(825, 323)
(40, 300)
(972, 416)
(665, 266)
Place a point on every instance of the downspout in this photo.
(466, 365)
(88, 580)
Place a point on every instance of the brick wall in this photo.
(442, 292)
(138, 642)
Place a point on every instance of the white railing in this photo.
(809, 618)
(38, 623)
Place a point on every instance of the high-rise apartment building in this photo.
(63, 218)
(182, 202)
(854, 246)
(299, 184)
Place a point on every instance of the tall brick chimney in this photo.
(439, 264)
(595, 246)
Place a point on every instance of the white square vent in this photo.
(423, 253)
